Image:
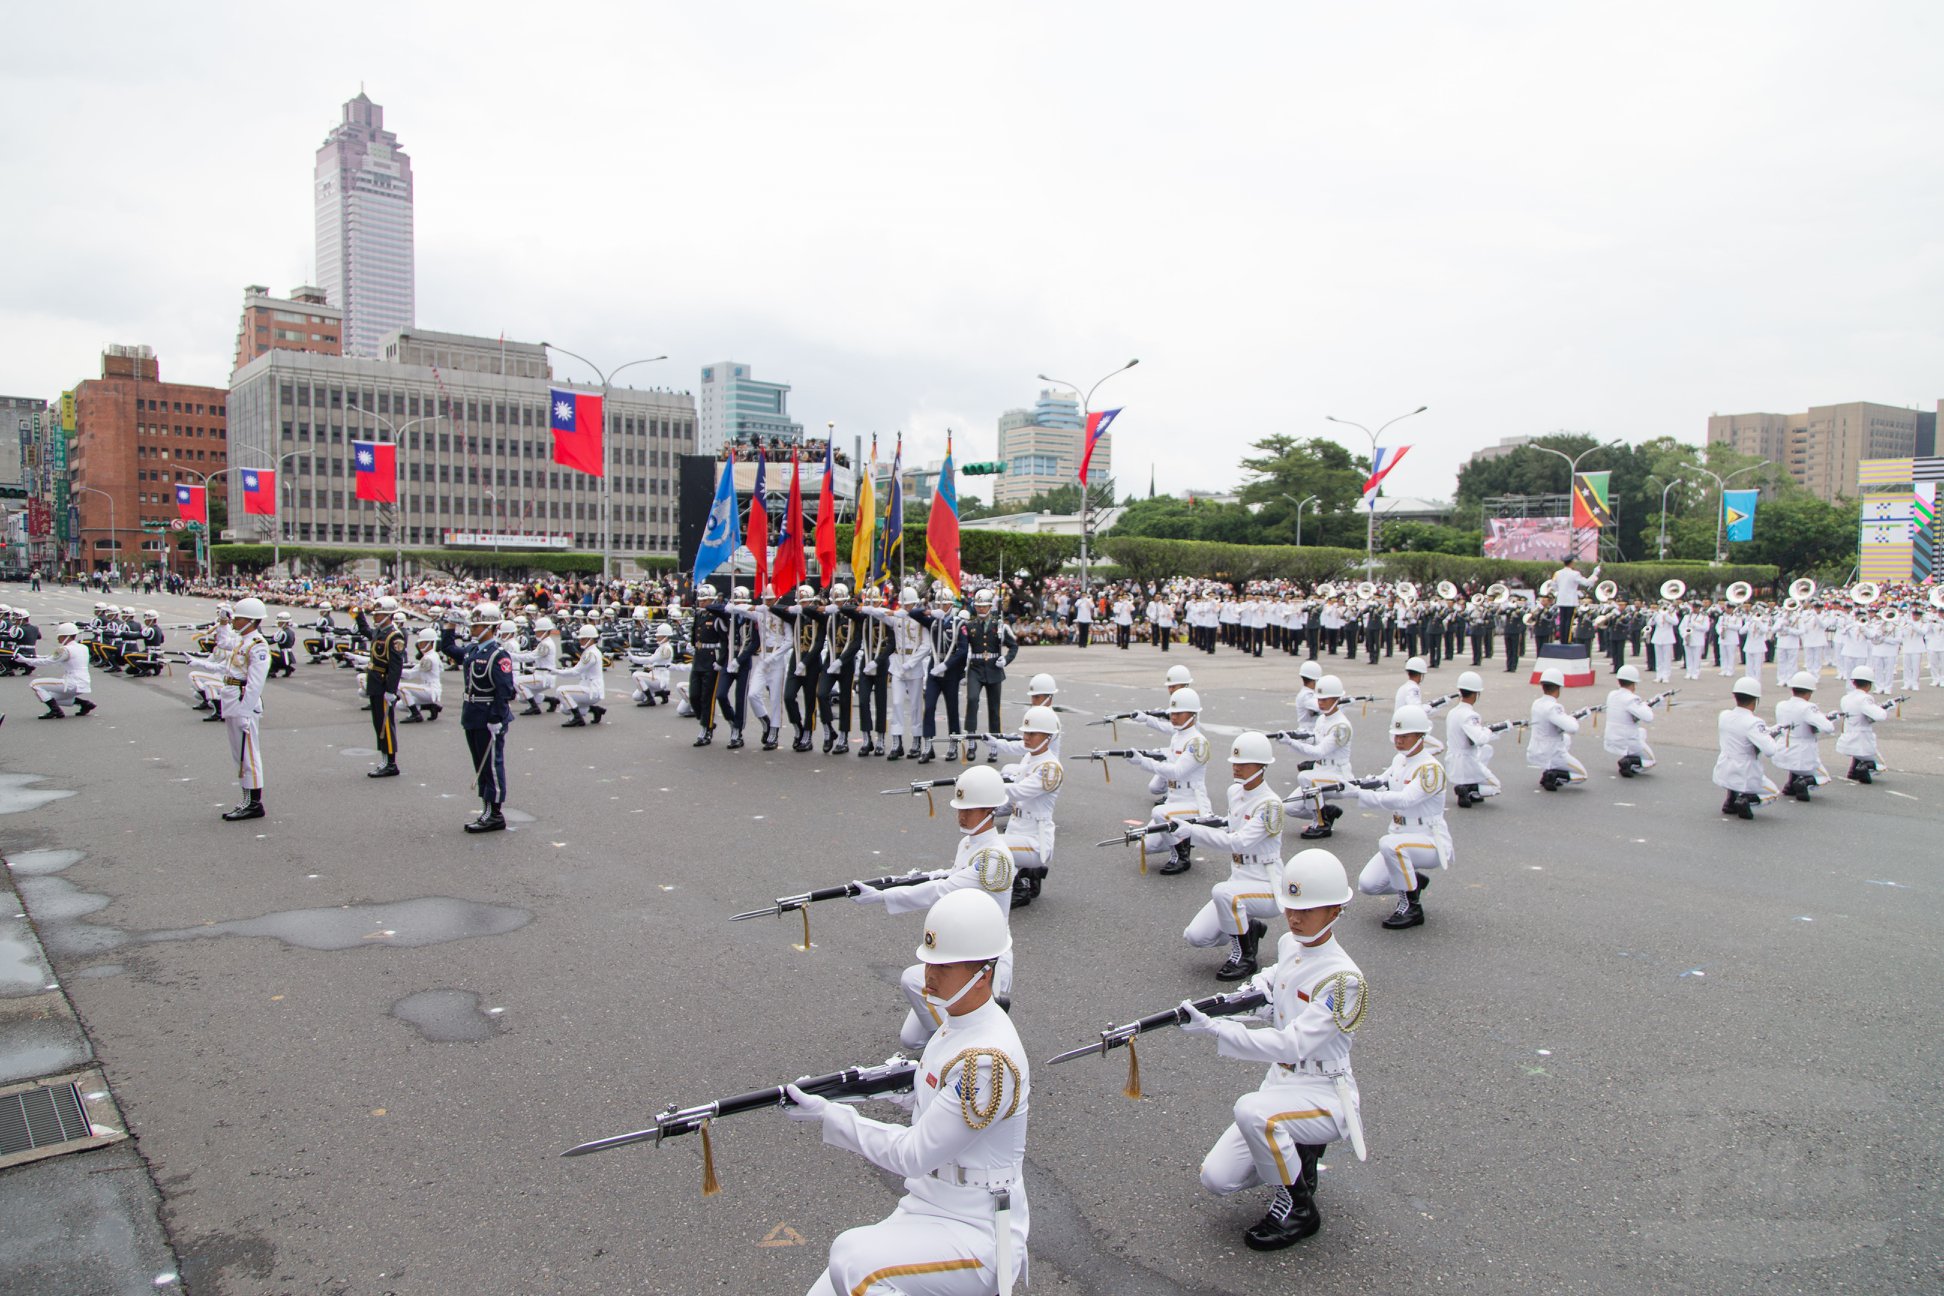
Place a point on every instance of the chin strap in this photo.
(945, 1005)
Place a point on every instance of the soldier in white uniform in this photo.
(1743, 740)
(543, 666)
(1934, 646)
(1308, 1098)
(651, 680)
(583, 686)
(74, 683)
(1240, 905)
(245, 667)
(1468, 745)
(1306, 708)
(1327, 751)
(1418, 841)
(982, 863)
(1177, 678)
(1184, 769)
(770, 668)
(206, 673)
(1411, 691)
(1033, 785)
(1694, 640)
(1627, 717)
(1040, 692)
(961, 1227)
(1665, 624)
(1549, 748)
(1800, 724)
(1861, 715)
(422, 684)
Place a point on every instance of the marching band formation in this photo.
(812, 661)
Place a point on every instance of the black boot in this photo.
(840, 746)
(532, 708)
(82, 706)
(800, 743)
(1731, 804)
(771, 734)
(1310, 1153)
(574, 722)
(926, 755)
(388, 770)
(1803, 783)
(490, 820)
(951, 749)
(413, 716)
(1626, 767)
(433, 708)
(1242, 960)
(830, 740)
(1292, 1217)
(1183, 860)
(1745, 804)
(1409, 913)
(897, 749)
(553, 704)
(707, 737)
(53, 712)
(595, 713)
(250, 809)
(735, 740)
(1865, 767)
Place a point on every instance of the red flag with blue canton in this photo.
(192, 504)
(259, 490)
(1096, 428)
(374, 470)
(575, 418)
(790, 571)
(827, 519)
(756, 534)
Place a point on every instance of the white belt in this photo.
(1410, 821)
(991, 1178)
(1254, 861)
(1309, 1066)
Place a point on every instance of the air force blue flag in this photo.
(723, 534)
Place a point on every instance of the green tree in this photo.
(1285, 470)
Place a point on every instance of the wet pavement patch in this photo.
(17, 793)
(29, 1049)
(446, 1016)
(22, 969)
(407, 924)
(35, 863)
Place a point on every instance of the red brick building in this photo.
(136, 436)
(303, 321)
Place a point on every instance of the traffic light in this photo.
(983, 469)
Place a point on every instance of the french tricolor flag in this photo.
(1381, 462)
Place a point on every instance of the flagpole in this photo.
(1370, 522)
(1086, 404)
(607, 483)
(398, 492)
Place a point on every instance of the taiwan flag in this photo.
(576, 424)
(827, 519)
(259, 491)
(192, 504)
(756, 534)
(1096, 428)
(789, 570)
(374, 467)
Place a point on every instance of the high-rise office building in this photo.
(1822, 447)
(734, 408)
(364, 227)
(1042, 448)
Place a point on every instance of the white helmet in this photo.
(387, 606)
(427, 636)
(1417, 666)
(979, 788)
(907, 596)
(982, 599)
(1179, 675)
(805, 593)
(1470, 682)
(641, 614)
(323, 607)
(1311, 879)
(664, 631)
(544, 625)
(740, 594)
(704, 591)
(1329, 687)
(1042, 685)
(506, 630)
(153, 615)
(1748, 686)
(1552, 675)
(1802, 680)
(964, 926)
(281, 617)
(1862, 675)
(250, 609)
(66, 630)
(1312, 671)
(486, 614)
(589, 632)
(1628, 674)
(1251, 749)
(222, 609)
(1410, 720)
(1040, 719)
(839, 592)
(1184, 700)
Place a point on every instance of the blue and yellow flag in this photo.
(894, 514)
(863, 552)
(1738, 513)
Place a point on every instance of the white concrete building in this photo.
(733, 407)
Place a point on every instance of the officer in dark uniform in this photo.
(874, 680)
(1478, 623)
(1431, 630)
(806, 664)
(1512, 621)
(842, 636)
(387, 663)
(989, 648)
(710, 634)
(1377, 624)
(283, 646)
(487, 713)
(946, 630)
(1313, 626)
(742, 638)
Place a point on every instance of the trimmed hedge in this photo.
(255, 557)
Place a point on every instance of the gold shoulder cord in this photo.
(1338, 991)
(980, 1114)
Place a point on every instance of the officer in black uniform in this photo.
(710, 635)
(800, 688)
(386, 664)
(283, 647)
(1513, 622)
(742, 638)
(842, 636)
(946, 630)
(874, 680)
(487, 713)
(989, 648)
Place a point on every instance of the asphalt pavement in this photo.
(1637, 1046)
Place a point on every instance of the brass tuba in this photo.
(1802, 590)
(1740, 592)
(1673, 589)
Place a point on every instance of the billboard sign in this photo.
(1537, 539)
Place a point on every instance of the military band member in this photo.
(1033, 785)
(1744, 740)
(381, 676)
(1861, 716)
(422, 686)
(1628, 716)
(1468, 745)
(583, 686)
(1801, 724)
(982, 862)
(990, 647)
(1512, 620)
(245, 667)
(487, 713)
(1240, 906)
(961, 1227)
(651, 681)
(1419, 840)
(1327, 754)
(808, 625)
(74, 684)
(1308, 1099)
(1549, 748)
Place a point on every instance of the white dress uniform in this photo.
(1744, 740)
(1308, 1097)
(1728, 633)
(1910, 643)
(1184, 772)
(1468, 750)
(544, 663)
(1307, 711)
(206, 677)
(1627, 717)
(1418, 839)
(769, 670)
(1550, 744)
(422, 682)
(1802, 723)
(74, 681)
(982, 861)
(1934, 647)
(1033, 784)
(1861, 715)
(1329, 747)
(1815, 640)
(584, 684)
(1694, 635)
(245, 667)
(1252, 840)
(1159, 722)
(910, 664)
(652, 678)
(966, 1141)
(1662, 636)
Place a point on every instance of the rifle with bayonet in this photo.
(1435, 703)
(1113, 721)
(1297, 735)
(787, 904)
(853, 1084)
(1105, 755)
(1137, 834)
(922, 787)
(1221, 1005)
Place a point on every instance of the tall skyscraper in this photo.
(734, 408)
(364, 227)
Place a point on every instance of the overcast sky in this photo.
(1526, 216)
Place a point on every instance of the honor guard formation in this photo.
(925, 679)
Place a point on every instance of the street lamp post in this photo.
(398, 432)
(114, 536)
(202, 536)
(1299, 503)
(607, 481)
(1721, 500)
(1086, 408)
(1370, 526)
(276, 520)
(1660, 550)
(1572, 471)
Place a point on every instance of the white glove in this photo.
(803, 1106)
(870, 667)
(1199, 1022)
(867, 894)
(799, 670)
(734, 664)
(391, 699)
(938, 671)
